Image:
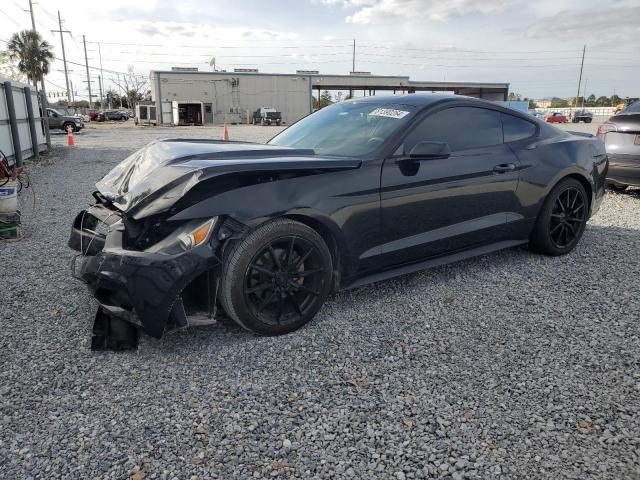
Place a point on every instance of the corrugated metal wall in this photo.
(20, 100)
(232, 96)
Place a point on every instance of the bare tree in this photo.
(134, 87)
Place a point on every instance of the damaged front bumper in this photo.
(157, 292)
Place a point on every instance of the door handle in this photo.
(504, 167)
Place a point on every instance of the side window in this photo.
(516, 128)
(462, 128)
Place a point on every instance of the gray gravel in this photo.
(511, 365)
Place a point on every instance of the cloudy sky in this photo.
(534, 45)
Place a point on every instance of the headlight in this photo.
(186, 237)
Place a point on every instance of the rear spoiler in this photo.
(582, 134)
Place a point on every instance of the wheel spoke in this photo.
(261, 269)
(305, 289)
(570, 228)
(280, 305)
(306, 273)
(555, 228)
(575, 198)
(303, 258)
(264, 304)
(259, 288)
(294, 302)
(556, 215)
(290, 252)
(274, 257)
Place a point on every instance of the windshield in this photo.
(350, 129)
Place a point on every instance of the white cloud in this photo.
(621, 24)
(376, 11)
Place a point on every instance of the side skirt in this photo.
(434, 262)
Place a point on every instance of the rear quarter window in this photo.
(515, 128)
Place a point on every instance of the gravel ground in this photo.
(510, 365)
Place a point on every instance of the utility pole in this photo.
(43, 91)
(101, 76)
(580, 78)
(86, 64)
(100, 85)
(584, 91)
(353, 64)
(64, 55)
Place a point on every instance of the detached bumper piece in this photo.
(139, 290)
(112, 333)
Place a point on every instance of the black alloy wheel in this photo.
(283, 280)
(567, 217)
(562, 219)
(276, 278)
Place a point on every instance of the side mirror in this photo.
(430, 150)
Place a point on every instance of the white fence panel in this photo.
(22, 120)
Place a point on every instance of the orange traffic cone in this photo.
(225, 133)
(70, 142)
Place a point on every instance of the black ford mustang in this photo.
(358, 192)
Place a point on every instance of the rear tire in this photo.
(562, 219)
(276, 278)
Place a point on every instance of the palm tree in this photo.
(33, 54)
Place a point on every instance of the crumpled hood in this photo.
(164, 170)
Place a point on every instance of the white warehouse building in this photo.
(190, 97)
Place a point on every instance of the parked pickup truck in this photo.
(582, 116)
(267, 116)
(59, 120)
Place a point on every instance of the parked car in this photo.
(621, 136)
(116, 115)
(556, 117)
(267, 116)
(357, 192)
(582, 116)
(57, 119)
(96, 116)
(538, 115)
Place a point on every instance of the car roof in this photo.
(419, 100)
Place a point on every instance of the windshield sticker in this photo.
(389, 112)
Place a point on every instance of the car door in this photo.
(432, 207)
(54, 119)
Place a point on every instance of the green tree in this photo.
(33, 54)
(559, 104)
(514, 97)
(590, 101)
(602, 101)
(615, 99)
(532, 105)
(324, 100)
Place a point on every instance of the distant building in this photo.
(547, 101)
(194, 98)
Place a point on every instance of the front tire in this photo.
(562, 219)
(275, 279)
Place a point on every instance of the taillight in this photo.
(606, 128)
